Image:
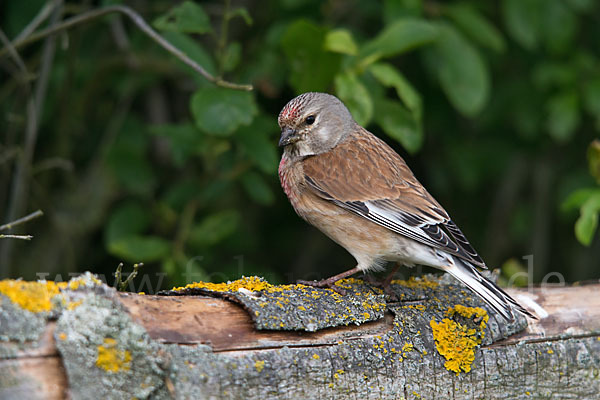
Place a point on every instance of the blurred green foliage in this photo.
(140, 159)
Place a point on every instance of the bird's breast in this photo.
(288, 176)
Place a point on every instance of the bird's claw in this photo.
(325, 283)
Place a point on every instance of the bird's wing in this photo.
(364, 175)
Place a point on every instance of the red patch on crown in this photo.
(289, 112)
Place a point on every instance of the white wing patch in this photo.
(436, 231)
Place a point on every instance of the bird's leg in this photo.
(330, 282)
(388, 279)
(385, 284)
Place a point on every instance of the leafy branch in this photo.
(141, 24)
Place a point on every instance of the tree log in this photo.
(253, 340)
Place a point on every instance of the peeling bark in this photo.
(98, 343)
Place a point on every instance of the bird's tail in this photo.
(497, 298)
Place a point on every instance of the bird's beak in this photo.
(288, 136)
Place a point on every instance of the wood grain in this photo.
(226, 326)
(563, 344)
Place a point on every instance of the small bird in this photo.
(357, 190)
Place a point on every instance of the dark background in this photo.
(133, 157)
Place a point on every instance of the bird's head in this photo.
(314, 123)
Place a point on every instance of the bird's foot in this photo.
(385, 284)
(328, 283)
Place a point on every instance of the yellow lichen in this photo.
(315, 356)
(62, 336)
(423, 282)
(346, 282)
(78, 282)
(112, 359)
(31, 296)
(256, 284)
(74, 304)
(457, 342)
(259, 365)
(251, 283)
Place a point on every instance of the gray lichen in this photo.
(18, 325)
(297, 307)
(106, 354)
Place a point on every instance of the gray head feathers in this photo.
(313, 123)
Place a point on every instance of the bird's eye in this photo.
(310, 119)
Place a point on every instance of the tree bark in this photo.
(312, 343)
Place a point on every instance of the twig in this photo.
(141, 24)
(38, 19)
(24, 161)
(24, 237)
(20, 186)
(119, 274)
(122, 286)
(20, 221)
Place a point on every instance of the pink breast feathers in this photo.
(283, 177)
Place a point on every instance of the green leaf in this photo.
(461, 71)
(220, 111)
(356, 97)
(256, 141)
(401, 36)
(341, 41)
(185, 140)
(214, 228)
(396, 9)
(139, 248)
(563, 116)
(389, 76)
(591, 97)
(476, 27)
(586, 224)
(128, 219)
(582, 5)
(179, 193)
(243, 13)
(523, 21)
(232, 56)
(593, 156)
(187, 17)
(399, 124)
(549, 75)
(311, 67)
(257, 188)
(559, 25)
(193, 50)
(576, 199)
